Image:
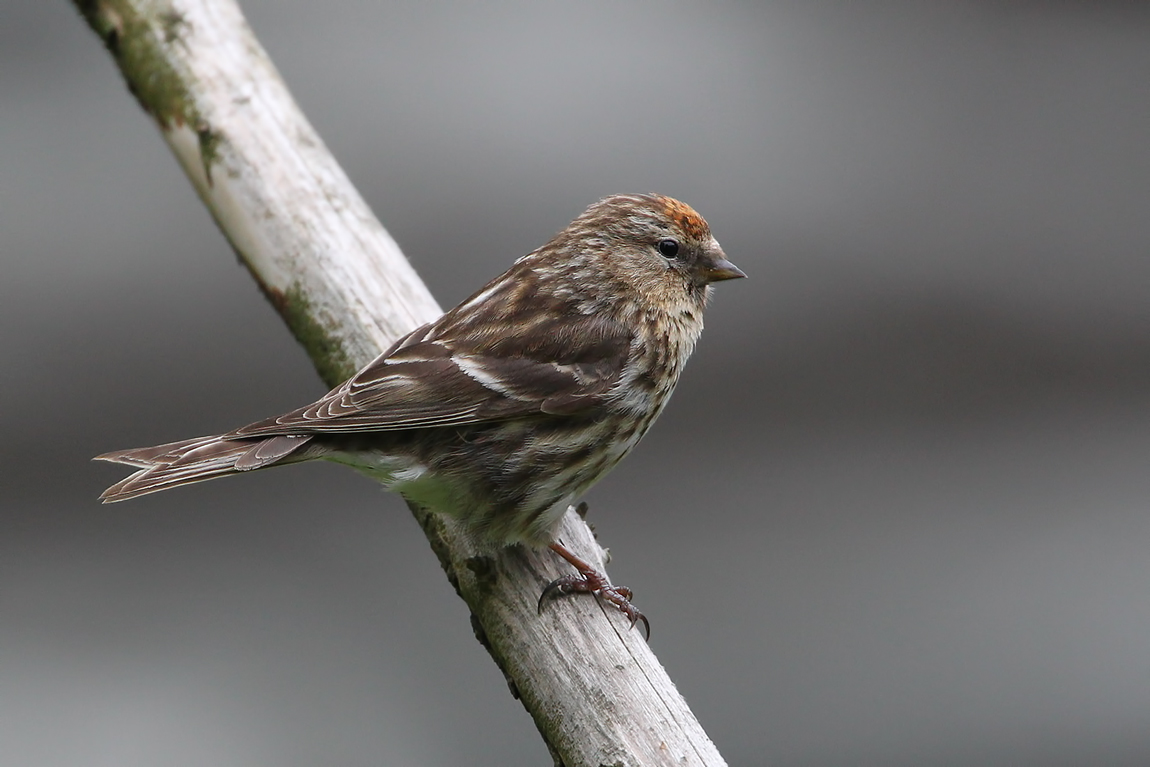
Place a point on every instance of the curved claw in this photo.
(556, 588)
(621, 597)
(646, 627)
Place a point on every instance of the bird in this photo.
(510, 406)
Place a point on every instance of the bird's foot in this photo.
(591, 581)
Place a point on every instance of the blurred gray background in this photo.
(896, 515)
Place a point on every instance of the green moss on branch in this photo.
(137, 41)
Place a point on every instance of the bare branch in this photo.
(593, 687)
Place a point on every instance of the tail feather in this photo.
(194, 460)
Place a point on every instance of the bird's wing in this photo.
(433, 377)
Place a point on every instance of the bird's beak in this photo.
(718, 268)
(722, 269)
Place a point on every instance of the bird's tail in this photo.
(195, 460)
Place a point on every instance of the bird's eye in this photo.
(668, 248)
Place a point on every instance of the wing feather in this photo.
(430, 378)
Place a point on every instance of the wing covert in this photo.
(430, 379)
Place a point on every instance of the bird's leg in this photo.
(591, 581)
